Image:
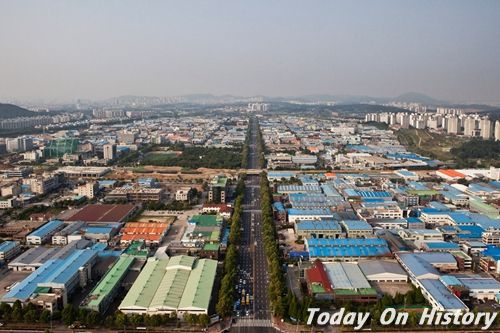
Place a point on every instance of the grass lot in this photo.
(196, 157)
(433, 145)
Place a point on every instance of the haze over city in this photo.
(59, 50)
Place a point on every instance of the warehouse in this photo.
(106, 290)
(357, 228)
(289, 189)
(318, 229)
(32, 258)
(349, 283)
(8, 250)
(104, 213)
(44, 233)
(179, 285)
(481, 288)
(440, 297)
(57, 279)
(346, 249)
(295, 215)
(383, 271)
(150, 232)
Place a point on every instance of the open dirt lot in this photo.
(391, 288)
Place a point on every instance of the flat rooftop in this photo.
(103, 213)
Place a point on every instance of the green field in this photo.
(432, 145)
(196, 157)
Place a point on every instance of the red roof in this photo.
(317, 274)
(223, 208)
(103, 213)
(452, 173)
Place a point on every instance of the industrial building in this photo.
(181, 285)
(108, 287)
(425, 269)
(8, 250)
(150, 232)
(295, 215)
(349, 283)
(346, 249)
(51, 285)
(105, 213)
(44, 234)
(383, 271)
(357, 228)
(318, 229)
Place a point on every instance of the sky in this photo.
(93, 49)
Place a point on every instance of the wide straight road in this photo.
(252, 256)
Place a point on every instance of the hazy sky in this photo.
(98, 49)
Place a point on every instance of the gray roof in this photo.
(374, 267)
(480, 283)
(345, 275)
(417, 266)
(442, 295)
(35, 256)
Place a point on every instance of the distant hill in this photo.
(365, 108)
(13, 111)
(415, 97)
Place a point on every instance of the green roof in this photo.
(42, 290)
(137, 249)
(484, 208)
(108, 284)
(317, 288)
(211, 247)
(185, 261)
(360, 291)
(172, 284)
(199, 285)
(146, 284)
(206, 220)
(219, 181)
(423, 192)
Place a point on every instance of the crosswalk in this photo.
(249, 322)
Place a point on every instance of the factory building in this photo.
(178, 285)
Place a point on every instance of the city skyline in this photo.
(64, 51)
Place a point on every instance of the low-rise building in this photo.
(44, 234)
(8, 250)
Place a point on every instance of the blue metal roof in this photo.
(58, 270)
(66, 268)
(439, 206)
(279, 206)
(322, 212)
(98, 230)
(492, 251)
(442, 245)
(470, 232)
(450, 280)
(346, 242)
(407, 173)
(356, 225)
(7, 246)
(318, 225)
(46, 229)
(414, 220)
(364, 251)
(460, 218)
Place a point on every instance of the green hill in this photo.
(13, 111)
